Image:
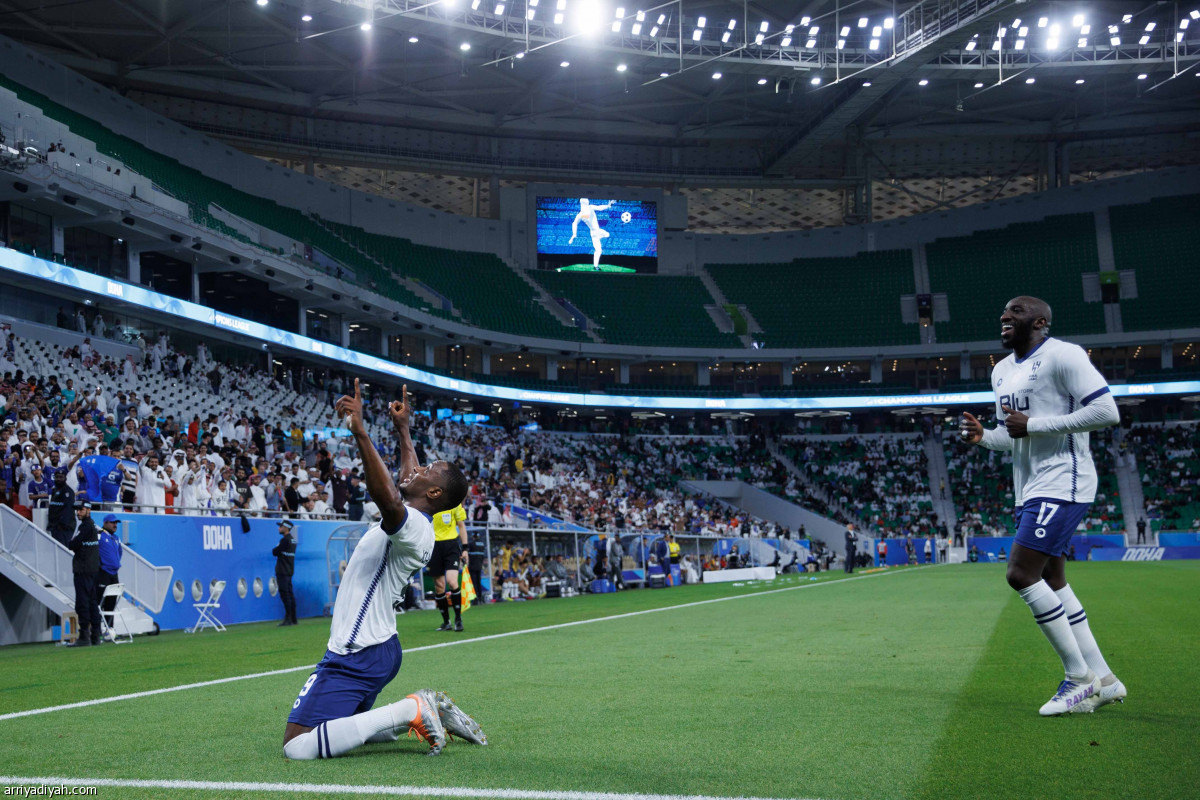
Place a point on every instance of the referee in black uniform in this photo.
(285, 567)
(86, 567)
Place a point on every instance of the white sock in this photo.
(1050, 617)
(339, 736)
(1083, 632)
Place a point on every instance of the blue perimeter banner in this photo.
(1145, 553)
(23, 264)
(204, 549)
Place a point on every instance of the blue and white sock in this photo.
(339, 736)
(1051, 618)
(1083, 632)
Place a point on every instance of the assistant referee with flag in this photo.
(449, 551)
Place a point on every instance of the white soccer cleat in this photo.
(1113, 693)
(458, 724)
(1073, 697)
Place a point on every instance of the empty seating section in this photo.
(981, 272)
(485, 289)
(480, 285)
(1158, 241)
(811, 302)
(665, 310)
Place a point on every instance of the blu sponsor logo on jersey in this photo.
(218, 537)
(1014, 401)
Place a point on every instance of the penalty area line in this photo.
(337, 788)
(457, 642)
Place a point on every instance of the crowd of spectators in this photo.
(1169, 461)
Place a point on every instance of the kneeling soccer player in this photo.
(333, 713)
(1048, 396)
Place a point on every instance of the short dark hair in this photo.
(454, 486)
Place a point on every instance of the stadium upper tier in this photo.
(642, 309)
(1158, 240)
(803, 303)
(980, 272)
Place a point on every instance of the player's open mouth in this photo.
(1005, 327)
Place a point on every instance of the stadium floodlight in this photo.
(616, 26)
(261, 2)
(1143, 76)
(1144, 40)
(1115, 41)
(725, 38)
(413, 40)
(1082, 42)
(1077, 21)
(619, 13)
(1194, 14)
(866, 84)
(979, 86)
(716, 76)
(1183, 23)
(863, 22)
(664, 74)
(653, 31)
(1055, 29)
(1113, 29)
(758, 39)
(1150, 26)
(520, 54)
(845, 31)
(813, 30)
(366, 26)
(1079, 81)
(1085, 29)
(1128, 18)
(732, 24)
(558, 18)
(804, 21)
(811, 43)
(636, 30)
(873, 45)
(816, 81)
(764, 27)
(561, 5)
(1179, 36)
(530, 14)
(1052, 44)
(308, 18)
(877, 31)
(1020, 44)
(465, 46)
(786, 41)
(499, 9)
(565, 64)
(1000, 33)
(1043, 21)
(662, 18)
(996, 45)
(889, 23)
(1029, 81)
(971, 45)
(696, 34)
(701, 22)
(923, 82)
(1016, 23)
(621, 67)
(762, 81)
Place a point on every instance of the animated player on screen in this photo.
(587, 214)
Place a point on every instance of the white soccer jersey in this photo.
(1054, 379)
(379, 569)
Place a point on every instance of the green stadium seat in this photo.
(1157, 240)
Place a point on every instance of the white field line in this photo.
(336, 788)
(452, 643)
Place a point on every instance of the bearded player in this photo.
(334, 713)
(1048, 396)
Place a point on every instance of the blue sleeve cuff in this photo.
(1099, 392)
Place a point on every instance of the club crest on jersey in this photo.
(1014, 401)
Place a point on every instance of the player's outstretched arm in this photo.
(379, 480)
(604, 207)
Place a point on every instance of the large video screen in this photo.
(597, 232)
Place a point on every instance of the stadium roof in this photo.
(737, 92)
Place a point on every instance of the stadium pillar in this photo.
(623, 372)
(195, 285)
(703, 375)
(429, 357)
(877, 369)
(494, 196)
(486, 366)
(56, 239)
(785, 373)
(964, 366)
(302, 319)
(134, 264)
(1168, 355)
(551, 369)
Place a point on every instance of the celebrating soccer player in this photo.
(333, 713)
(1048, 396)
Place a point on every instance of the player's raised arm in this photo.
(401, 413)
(379, 480)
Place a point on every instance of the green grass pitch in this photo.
(921, 683)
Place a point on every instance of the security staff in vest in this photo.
(476, 555)
(86, 567)
(449, 551)
(285, 568)
(673, 554)
(61, 522)
(110, 562)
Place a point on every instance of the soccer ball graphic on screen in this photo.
(626, 217)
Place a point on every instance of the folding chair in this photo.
(206, 619)
(108, 618)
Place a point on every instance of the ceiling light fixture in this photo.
(465, 46)
(923, 82)
(762, 81)
(621, 67)
(306, 18)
